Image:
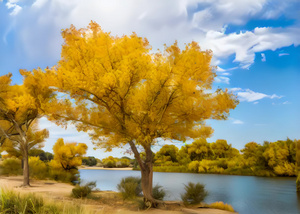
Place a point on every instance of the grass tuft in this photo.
(12, 202)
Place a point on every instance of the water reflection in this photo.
(247, 194)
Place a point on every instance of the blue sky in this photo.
(255, 45)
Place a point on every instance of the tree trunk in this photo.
(25, 168)
(146, 173)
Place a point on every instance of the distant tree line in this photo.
(270, 159)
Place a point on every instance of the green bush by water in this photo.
(158, 192)
(194, 193)
(83, 191)
(130, 187)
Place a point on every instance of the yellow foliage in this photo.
(38, 169)
(124, 92)
(193, 166)
(67, 155)
(285, 169)
(220, 205)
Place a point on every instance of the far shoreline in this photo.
(102, 168)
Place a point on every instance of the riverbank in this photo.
(102, 168)
(103, 202)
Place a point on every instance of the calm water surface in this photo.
(247, 194)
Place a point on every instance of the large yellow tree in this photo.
(20, 106)
(122, 93)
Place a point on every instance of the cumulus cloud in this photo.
(216, 14)
(244, 45)
(251, 96)
(160, 21)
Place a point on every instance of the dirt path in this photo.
(62, 191)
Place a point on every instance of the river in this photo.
(247, 194)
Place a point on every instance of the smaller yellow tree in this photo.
(68, 155)
(20, 107)
(35, 138)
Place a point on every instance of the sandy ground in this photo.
(97, 167)
(62, 191)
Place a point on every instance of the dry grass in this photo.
(15, 202)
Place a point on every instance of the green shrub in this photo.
(130, 187)
(89, 161)
(83, 191)
(194, 193)
(158, 192)
(11, 166)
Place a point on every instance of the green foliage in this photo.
(35, 152)
(130, 187)
(46, 156)
(71, 176)
(89, 161)
(194, 193)
(13, 203)
(11, 166)
(158, 192)
(83, 191)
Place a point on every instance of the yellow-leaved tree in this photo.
(68, 155)
(122, 93)
(20, 106)
(35, 138)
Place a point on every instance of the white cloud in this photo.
(161, 22)
(11, 4)
(283, 54)
(244, 45)
(220, 69)
(251, 96)
(286, 103)
(220, 79)
(218, 13)
(239, 122)
(263, 57)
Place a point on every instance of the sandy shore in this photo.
(62, 192)
(102, 168)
